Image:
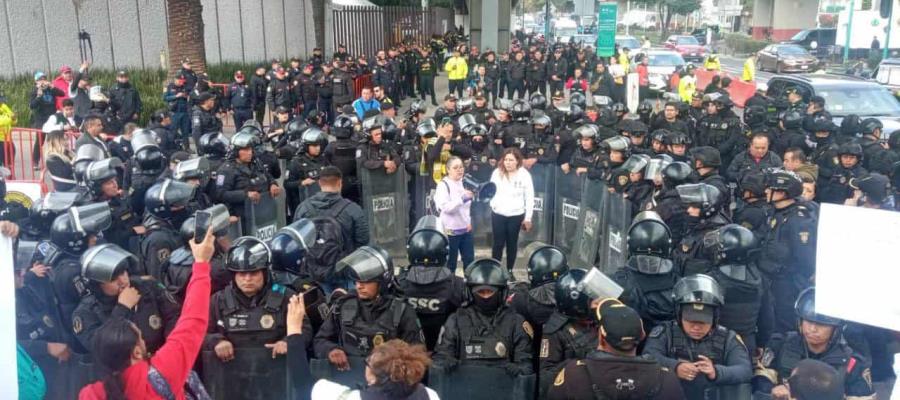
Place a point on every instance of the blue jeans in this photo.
(464, 244)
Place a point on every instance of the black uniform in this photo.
(602, 375)
(434, 293)
(669, 345)
(241, 102)
(648, 292)
(722, 131)
(788, 259)
(300, 168)
(279, 94)
(875, 157)
(373, 155)
(746, 311)
(157, 244)
(258, 89)
(305, 93)
(179, 268)
(560, 68)
(564, 339)
(121, 230)
(536, 76)
(791, 349)
(500, 340)
(235, 179)
(689, 256)
(125, 102)
(203, 122)
(155, 313)
(38, 323)
(249, 322)
(356, 326)
(754, 216)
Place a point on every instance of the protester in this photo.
(512, 205)
(454, 202)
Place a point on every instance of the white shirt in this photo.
(328, 390)
(515, 194)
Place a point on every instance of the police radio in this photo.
(484, 191)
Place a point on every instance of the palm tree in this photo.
(185, 34)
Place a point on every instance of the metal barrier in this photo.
(361, 82)
(19, 150)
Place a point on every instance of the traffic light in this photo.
(885, 8)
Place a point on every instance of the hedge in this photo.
(150, 83)
(740, 43)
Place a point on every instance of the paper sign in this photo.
(856, 265)
(9, 379)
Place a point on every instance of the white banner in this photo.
(856, 265)
(633, 92)
(9, 379)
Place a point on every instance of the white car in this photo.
(663, 63)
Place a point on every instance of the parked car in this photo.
(888, 73)
(786, 58)
(662, 64)
(816, 40)
(687, 46)
(631, 42)
(844, 95)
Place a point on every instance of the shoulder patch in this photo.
(220, 180)
(804, 237)
(560, 378)
(545, 348)
(657, 331)
(528, 329)
(163, 255)
(77, 326)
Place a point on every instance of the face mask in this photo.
(489, 305)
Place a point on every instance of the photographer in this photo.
(43, 104)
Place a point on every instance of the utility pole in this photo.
(887, 39)
(627, 10)
(547, 20)
(849, 29)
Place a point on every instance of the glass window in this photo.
(865, 102)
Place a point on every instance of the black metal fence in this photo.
(365, 30)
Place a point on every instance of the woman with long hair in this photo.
(394, 371)
(455, 204)
(512, 205)
(119, 347)
(58, 158)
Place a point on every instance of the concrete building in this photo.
(781, 19)
(132, 34)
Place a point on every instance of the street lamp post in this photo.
(849, 29)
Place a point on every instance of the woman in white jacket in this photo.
(511, 206)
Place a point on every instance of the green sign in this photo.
(606, 29)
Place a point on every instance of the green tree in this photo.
(677, 7)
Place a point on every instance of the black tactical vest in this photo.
(359, 337)
(263, 323)
(683, 347)
(742, 286)
(577, 340)
(479, 336)
(794, 350)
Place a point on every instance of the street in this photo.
(735, 66)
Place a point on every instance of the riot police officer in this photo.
(243, 179)
(587, 156)
(668, 201)
(721, 128)
(70, 235)
(433, 291)
(252, 311)
(375, 154)
(638, 189)
(167, 203)
(360, 321)
(746, 311)
(753, 212)
(875, 158)
(788, 250)
(703, 215)
(703, 353)
(677, 144)
(148, 164)
(195, 171)
(342, 154)
(820, 337)
(101, 178)
(541, 148)
(614, 370)
(706, 161)
(536, 301)
(571, 332)
(115, 293)
(177, 270)
(519, 131)
(846, 167)
(203, 117)
(301, 178)
(486, 331)
(791, 134)
(648, 275)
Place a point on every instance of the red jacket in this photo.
(581, 84)
(175, 358)
(63, 85)
(643, 75)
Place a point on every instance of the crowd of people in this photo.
(130, 265)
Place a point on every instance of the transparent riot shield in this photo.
(477, 382)
(589, 232)
(567, 209)
(542, 219)
(262, 219)
(355, 377)
(384, 200)
(612, 251)
(252, 374)
(307, 192)
(483, 235)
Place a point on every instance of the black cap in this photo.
(281, 110)
(620, 325)
(450, 96)
(875, 187)
(205, 96)
(696, 312)
(387, 106)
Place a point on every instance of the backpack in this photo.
(329, 246)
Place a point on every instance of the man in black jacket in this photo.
(354, 225)
(515, 76)
(125, 99)
(279, 93)
(536, 76)
(258, 87)
(240, 100)
(305, 90)
(557, 69)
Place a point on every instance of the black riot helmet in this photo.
(708, 156)
(426, 128)
(785, 181)
(465, 122)
(645, 108)
(486, 272)
(755, 115)
(162, 197)
(619, 108)
(869, 126)
(368, 264)
(585, 131)
(417, 107)
(427, 244)
(289, 245)
(805, 308)
(85, 155)
(544, 121)
(851, 149)
(98, 172)
(342, 127)
(578, 287)
(791, 119)
(649, 235)
(607, 117)
(850, 125)
(823, 123)
(245, 138)
(538, 101)
(677, 137)
(105, 262)
(699, 298)
(147, 154)
(188, 227)
(753, 182)
(213, 144)
(70, 231)
(52, 205)
(676, 173)
(704, 196)
(659, 135)
(730, 244)
(578, 99)
(248, 254)
(371, 124)
(194, 168)
(314, 136)
(618, 143)
(296, 127)
(546, 263)
(521, 111)
(574, 113)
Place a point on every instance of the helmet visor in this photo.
(598, 286)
